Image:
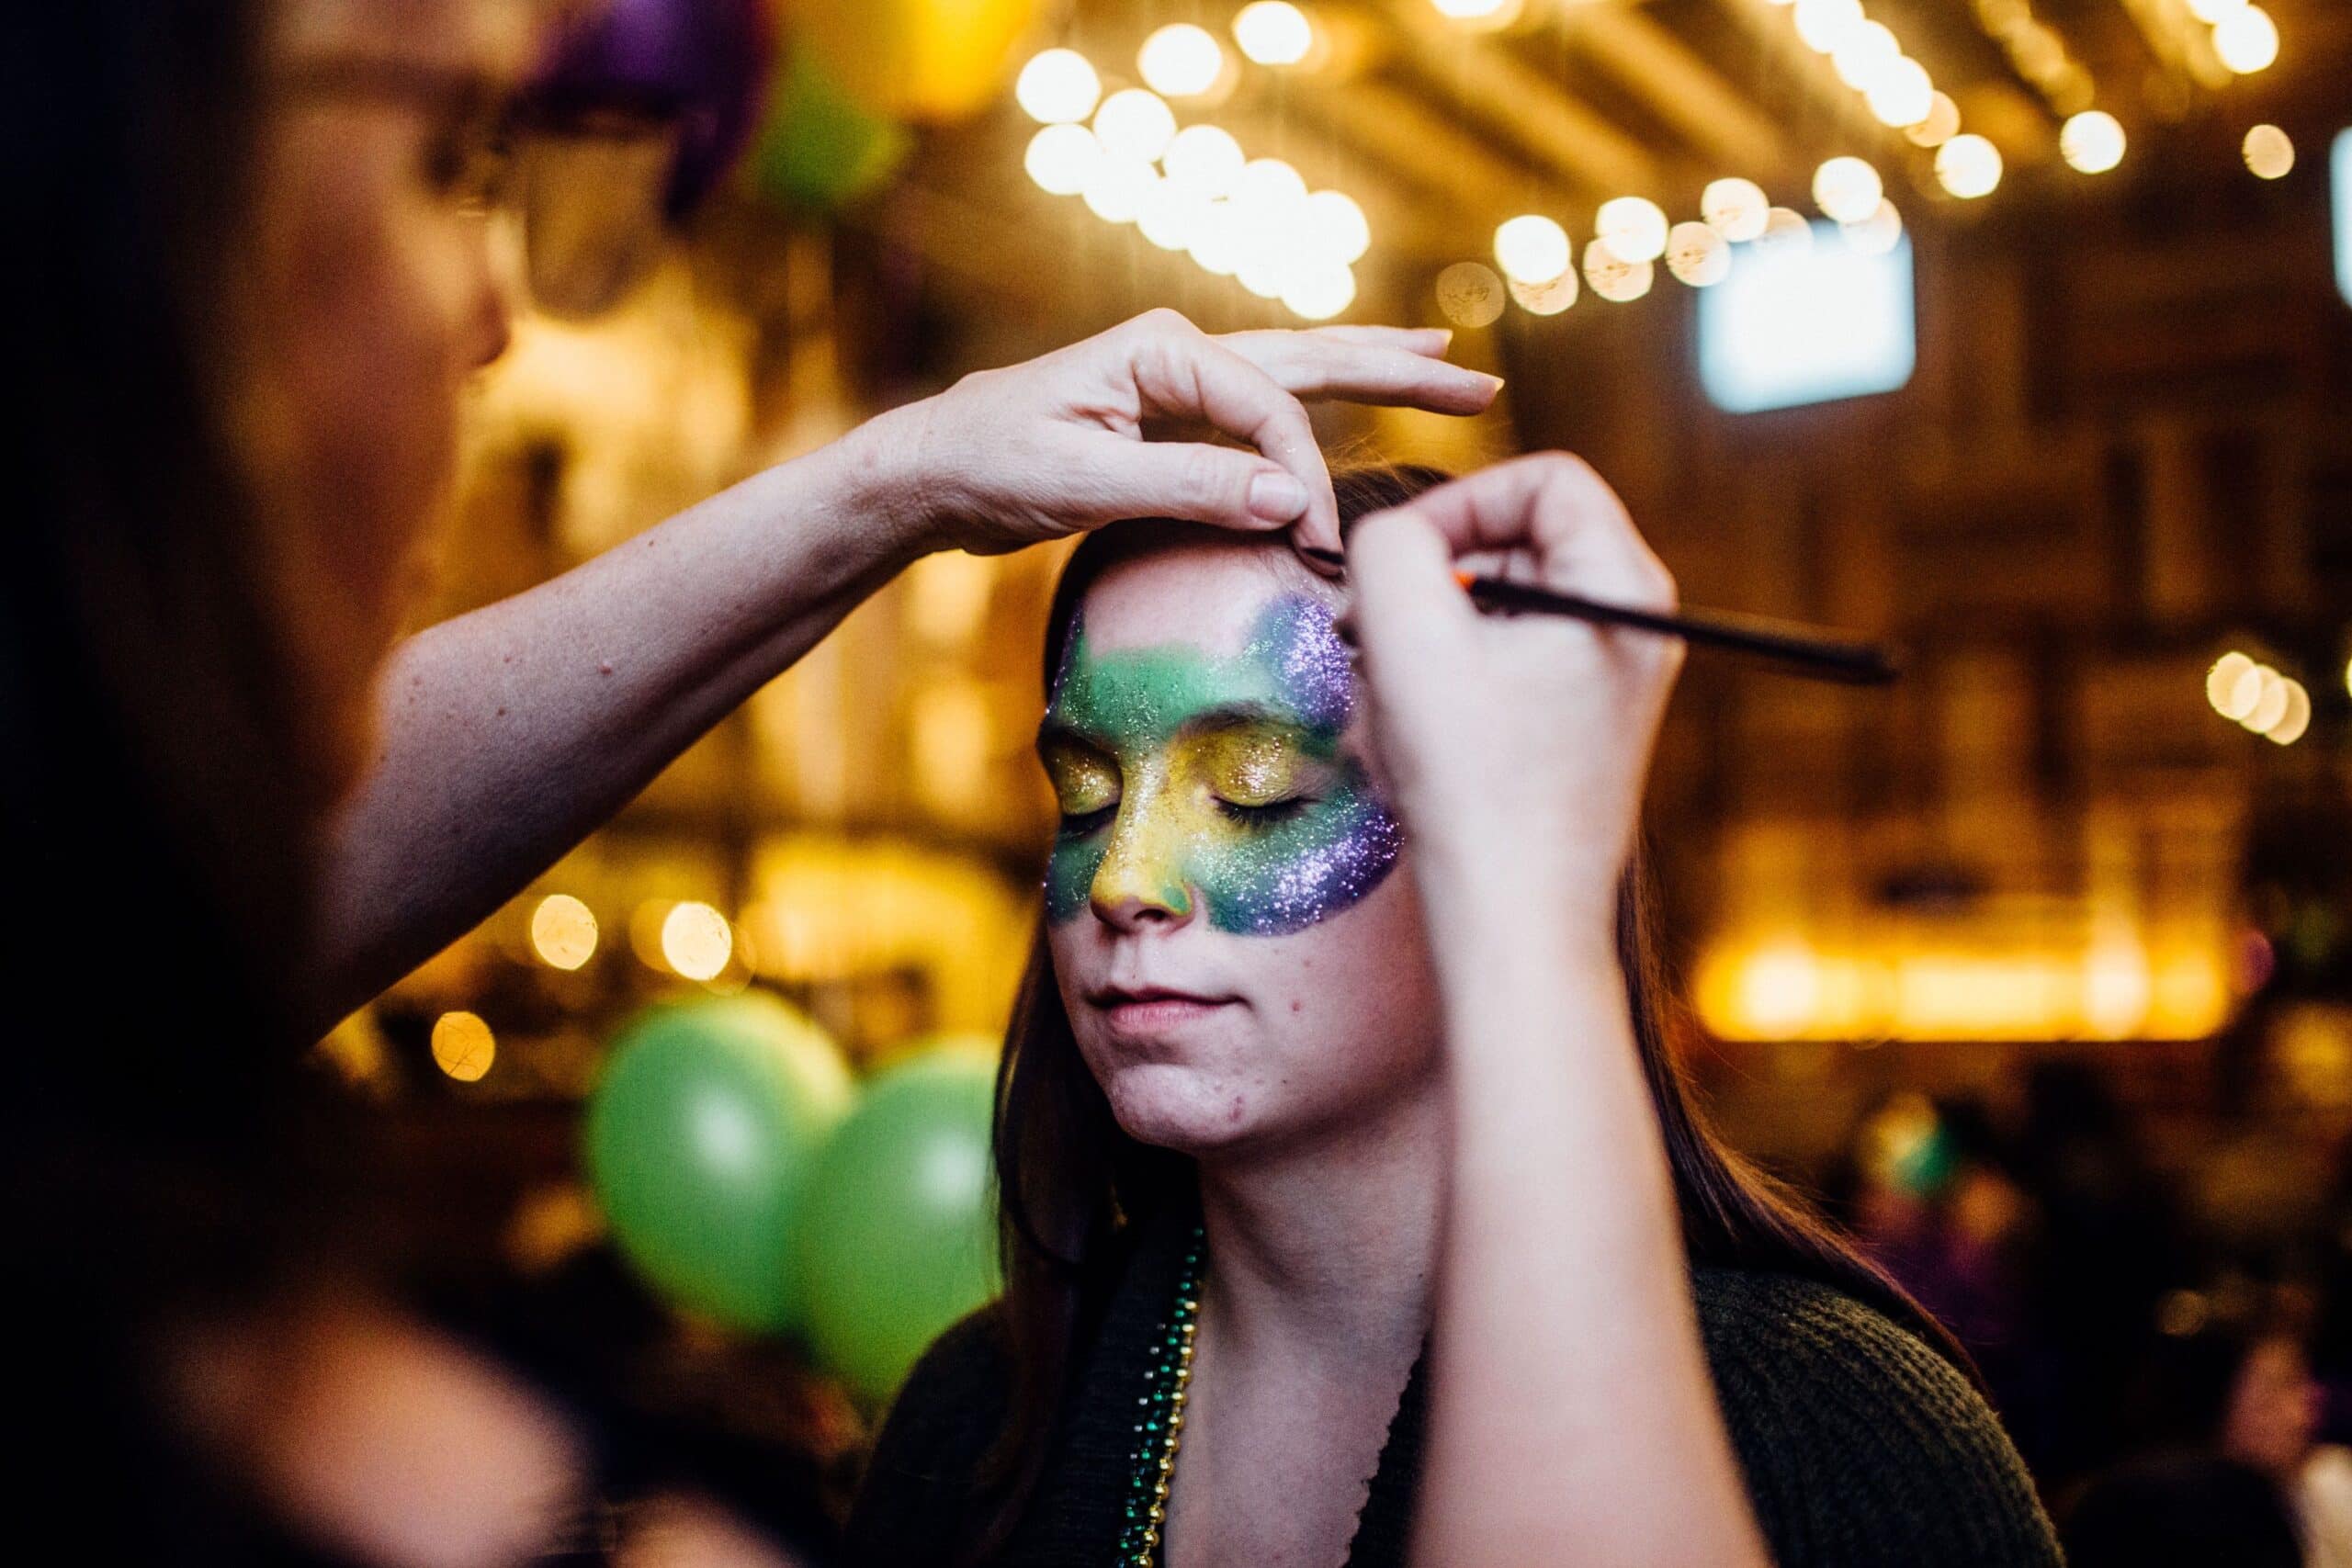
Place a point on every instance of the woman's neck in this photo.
(1328, 1246)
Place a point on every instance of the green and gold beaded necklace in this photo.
(1159, 1423)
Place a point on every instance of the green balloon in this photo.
(897, 1239)
(698, 1138)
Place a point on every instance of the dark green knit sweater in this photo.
(1861, 1446)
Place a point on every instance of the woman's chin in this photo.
(1184, 1109)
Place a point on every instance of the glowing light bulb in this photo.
(1204, 160)
(2269, 152)
(2246, 40)
(1940, 126)
(1336, 226)
(1877, 234)
(1133, 123)
(1634, 230)
(1057, 86)
(1319, 293)
(563, 931)
(1180, 59)
(1736, 208)
(1901, 96)
(1848, 189)
(1612, 276)
(1273, 32)
(1696, 255)
(2091, 142)
(1532, 248)
(1825, 24)
(1969, 166)
(1062, 158)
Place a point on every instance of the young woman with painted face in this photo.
(250, 278)
(1353, 1206)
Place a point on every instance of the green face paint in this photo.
(1180, 772)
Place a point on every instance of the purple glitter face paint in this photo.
(1179, 772)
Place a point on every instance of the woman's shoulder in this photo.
(1862, 1442)
(920, 1476)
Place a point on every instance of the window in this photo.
(2344, 212)
(1807, 326)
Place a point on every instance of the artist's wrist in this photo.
(894, 502)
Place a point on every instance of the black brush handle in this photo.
(1801, 650)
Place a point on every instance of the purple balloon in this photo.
(702, 64)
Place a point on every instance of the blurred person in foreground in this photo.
(1354, 1207)
(248, 278)
(2229, 1473)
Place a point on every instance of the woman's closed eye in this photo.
(1086, 785)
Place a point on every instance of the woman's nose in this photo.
(1140, 883)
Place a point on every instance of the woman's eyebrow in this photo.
(1247, 715)
(1054, 729)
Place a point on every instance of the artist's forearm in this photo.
(1572, 1398)
(508, 734)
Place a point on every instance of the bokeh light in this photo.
(1736, 208)
(1062, 159)
(1273, 32)
(1336, 227)
(1615, 277)
(463, 1046)
(1697, 255)
(2246, 40)
(2269, 152)
(1848, 189)
(1969, 166)
(2092, 142)
(1180, 59)
(1940, 126)
(1133, 123)
(563, 931)
(1633, 229)
(696, 940)
(1532, 248)
(1057, 86)
(1549, 298)
(1204, 160)
(1469, 294)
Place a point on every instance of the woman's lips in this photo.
(1151, 1009)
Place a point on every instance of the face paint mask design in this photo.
(1178, 771)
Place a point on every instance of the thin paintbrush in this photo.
(1801, 650)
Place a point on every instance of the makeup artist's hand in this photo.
(1515, 746)
(1059, 444)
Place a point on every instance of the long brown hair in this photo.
(1071, 1181)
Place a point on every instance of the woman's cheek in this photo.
(1283, 880)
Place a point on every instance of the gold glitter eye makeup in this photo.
(1086, 783)
(1255, 768)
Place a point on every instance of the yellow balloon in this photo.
(930, 59)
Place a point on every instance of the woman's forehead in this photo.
(1200, 591)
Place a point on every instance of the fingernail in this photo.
(1277, 498)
